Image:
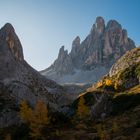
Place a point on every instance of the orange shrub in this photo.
(108, 82)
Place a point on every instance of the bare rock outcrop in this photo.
(128, 60)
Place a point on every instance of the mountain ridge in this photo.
(19, 81)
(105, 44)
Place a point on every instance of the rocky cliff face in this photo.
(93, 57)
(63, 65)
(19, 81)
(126, 71)
(128, 60)
(122, 94)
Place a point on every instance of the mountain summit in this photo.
(19, 81)
(93, 57)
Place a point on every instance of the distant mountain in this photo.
(93, 57)
(19, 81)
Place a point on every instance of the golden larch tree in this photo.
(82, 109)
(26, 112)
(36, 118)
(40, 119)
(8, 137)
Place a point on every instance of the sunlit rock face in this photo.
(93, 57)
(10, 39)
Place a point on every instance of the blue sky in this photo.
(43, 26)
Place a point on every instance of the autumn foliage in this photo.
(108, 82)
(36, 118)
(8, 137)
(82, 109)
(26, 113)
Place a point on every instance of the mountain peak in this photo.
(76, 42)
(75, 47)
(100, 20)
(113, 24)
(9, 39)
(103, 46)
(62, 50)
(8, 28)
(77, 38)
(98, 26)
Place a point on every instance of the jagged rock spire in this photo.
(76, 42)
(98, 26)
(8, 28)
(101, 48)
(9, 38)
(62, 52)
(75, 46)
(113, 24)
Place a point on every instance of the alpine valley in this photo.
(90, 93)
